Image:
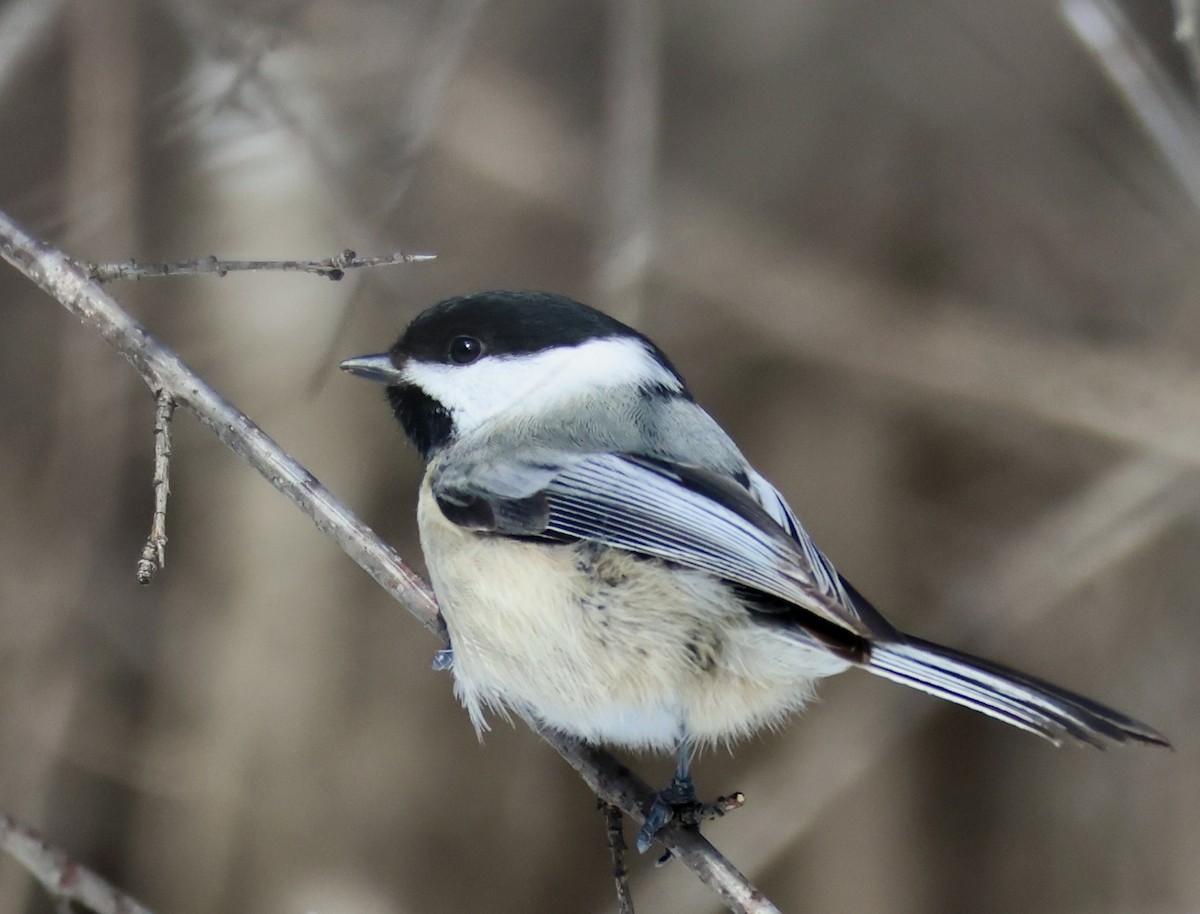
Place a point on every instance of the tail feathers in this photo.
(1015, 698)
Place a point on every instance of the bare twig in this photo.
(613, 783)
(63, 878)
(725, 805)
(163, 370)
(334, 267)
(616, 847)
(208, 28)
(154, 553)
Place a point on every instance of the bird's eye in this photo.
(465, 349)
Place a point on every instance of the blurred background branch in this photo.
(1169, 117)
(632, 84)
(1187, 33)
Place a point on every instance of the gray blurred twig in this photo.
(1187, 33)
(254, 90)
(334, 267)
(63, 878)
(23, 24)
(164, 372)
(1169, 119)
(632, 88)
(1120, 512)
(917, 347)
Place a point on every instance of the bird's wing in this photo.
(826, 576)
(685, 514)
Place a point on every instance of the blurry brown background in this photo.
(921, 258)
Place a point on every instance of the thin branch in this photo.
(164, 371)
(334, 267)
(616, 848)
(613, 783)
(154, 553)
(63, 878)
(443, 51)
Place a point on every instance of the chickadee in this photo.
(609, 565)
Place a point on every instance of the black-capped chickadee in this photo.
(608, 564)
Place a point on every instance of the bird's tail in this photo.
(1015, 698)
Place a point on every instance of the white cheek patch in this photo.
(529, 383)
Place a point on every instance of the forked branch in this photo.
(163, 371)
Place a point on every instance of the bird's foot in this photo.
(678, 801)
(444, 659)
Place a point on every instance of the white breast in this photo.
(604, 645)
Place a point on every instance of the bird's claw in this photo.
(661, 812)
(681, 805)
